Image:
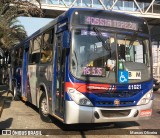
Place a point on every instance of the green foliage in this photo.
(11, 32)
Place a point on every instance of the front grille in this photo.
(115, 113)
(109, 103)
(117, 94)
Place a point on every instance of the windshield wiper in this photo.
(99, 37)
(76, 57)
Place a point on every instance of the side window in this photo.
(30, 51)
(18, 57)
(47, 47)
(34, 50)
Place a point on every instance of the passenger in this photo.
(43, 58)
(46, 55)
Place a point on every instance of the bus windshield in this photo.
(91, 61)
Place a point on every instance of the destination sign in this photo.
(93, 71)
(99, 21)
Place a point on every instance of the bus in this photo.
(87, 66)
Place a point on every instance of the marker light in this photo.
(79, 98)
(76, 13)
(146, 98)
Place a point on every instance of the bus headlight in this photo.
(79, 98)
(146, 98)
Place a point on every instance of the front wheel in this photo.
(155, 89)
(43, 109)
(15, 93)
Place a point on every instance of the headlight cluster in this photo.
(79, 98)
(146, 98)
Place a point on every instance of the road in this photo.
(19, 115)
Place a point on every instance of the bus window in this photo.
(18, 57)
(46, 49)
(30, 51)
(134, 49)
(34, 55)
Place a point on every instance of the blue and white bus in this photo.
(87, 66)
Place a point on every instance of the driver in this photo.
(111, 64)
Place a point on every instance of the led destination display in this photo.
(99, 21)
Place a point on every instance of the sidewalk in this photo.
(4, 95)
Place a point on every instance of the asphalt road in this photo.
(19, 115)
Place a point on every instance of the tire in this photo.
(15, 93)
(155, 89)
(43, 109)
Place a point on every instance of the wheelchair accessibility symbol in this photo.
(123, 76)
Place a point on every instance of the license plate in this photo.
(145, 113)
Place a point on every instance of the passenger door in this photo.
(60, 76)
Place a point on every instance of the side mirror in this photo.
(66, 39)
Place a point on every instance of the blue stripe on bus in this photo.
(102, 101)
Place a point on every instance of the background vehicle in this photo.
(88, 66)
(156, 84)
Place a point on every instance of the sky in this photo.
(32, 24)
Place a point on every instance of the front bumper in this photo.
(83, 114)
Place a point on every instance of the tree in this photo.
(11, 33)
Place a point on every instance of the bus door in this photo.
(60, 76)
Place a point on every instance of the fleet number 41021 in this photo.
(134, 87)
